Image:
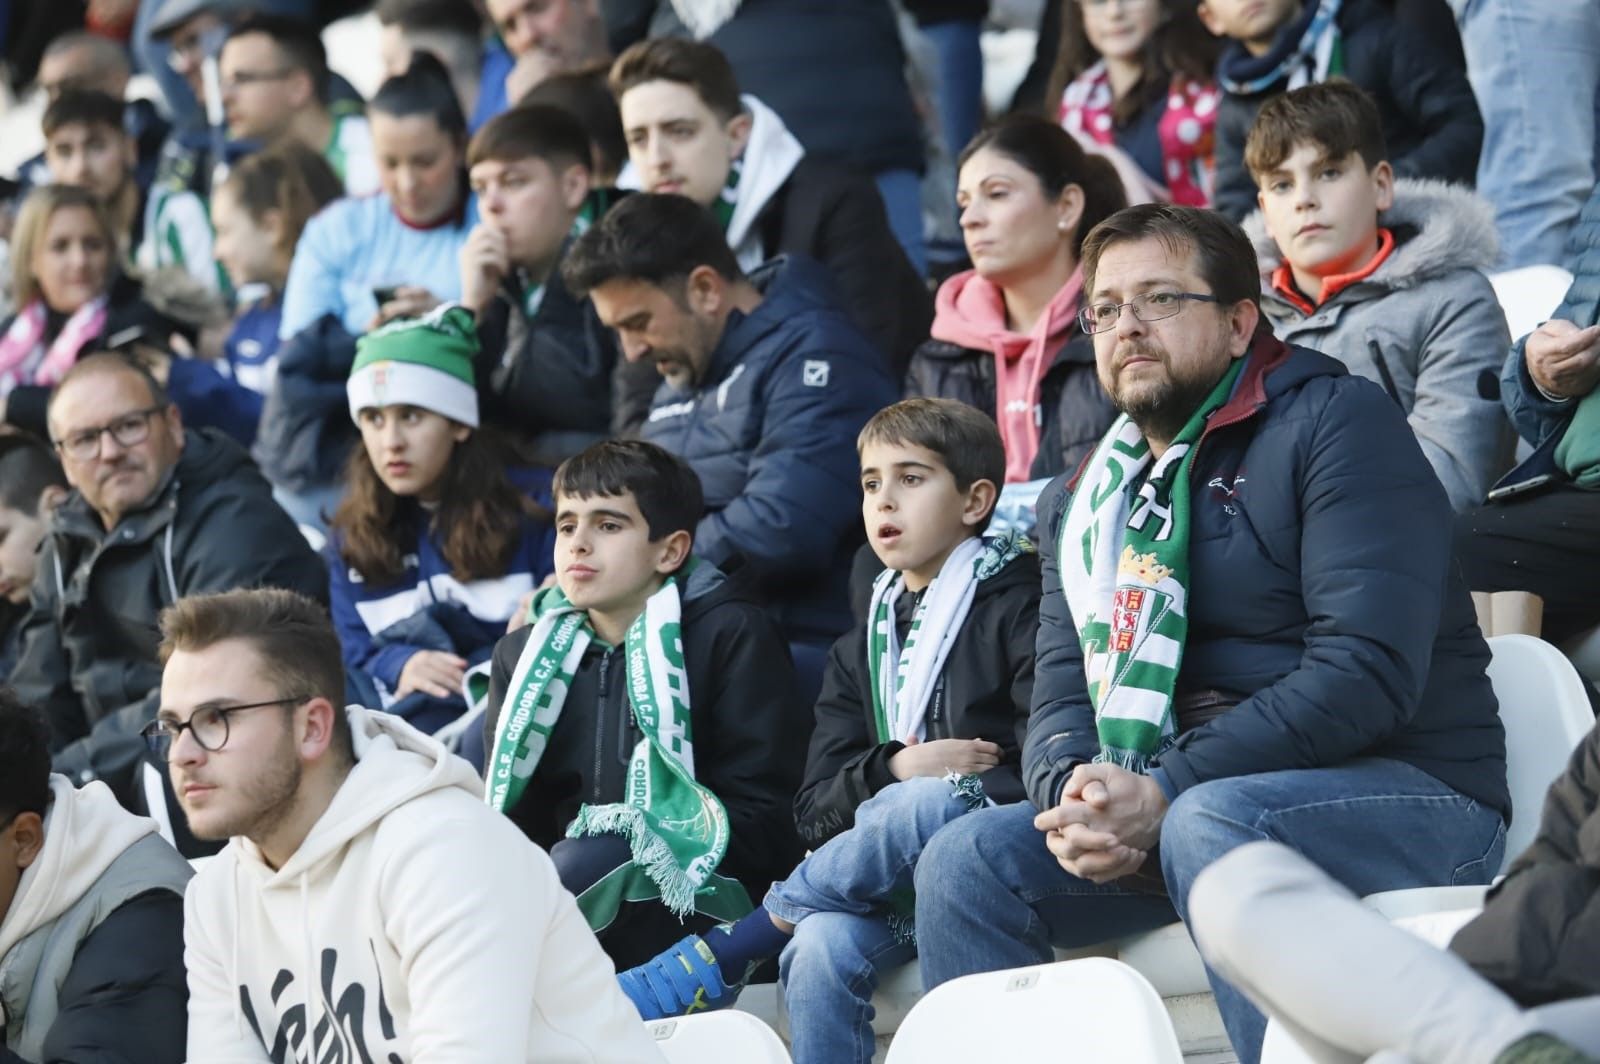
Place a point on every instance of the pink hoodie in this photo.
(971, 311)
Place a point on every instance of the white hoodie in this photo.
(418, 923)
(770, 156)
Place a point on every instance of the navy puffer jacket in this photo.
(1323, 596)
(771, 432)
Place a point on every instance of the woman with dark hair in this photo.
(435, 543)
(1004, 336)
(1136, 75)
(371, 259)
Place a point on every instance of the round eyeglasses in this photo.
(208, 725)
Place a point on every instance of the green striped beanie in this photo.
(423, 362)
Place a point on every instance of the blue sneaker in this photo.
(678, 981)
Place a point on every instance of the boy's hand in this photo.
(943, 756)
(1563, 359)
(484, 263)
(433, 672)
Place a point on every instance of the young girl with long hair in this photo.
(1136, 75)
(436, 541)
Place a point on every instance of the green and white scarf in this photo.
(1124, 560)
(728, 199)
(903, 678)
(676, 829)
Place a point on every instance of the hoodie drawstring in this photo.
(311, 989)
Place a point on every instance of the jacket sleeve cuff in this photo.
(388, 661)
(1164, 781)
(876, 768)
(1173, 774)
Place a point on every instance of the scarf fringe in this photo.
(1132, 760)
(650, 851)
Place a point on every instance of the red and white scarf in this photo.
(25, 358)
(1187, 129)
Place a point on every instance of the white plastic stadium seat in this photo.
(1530, 295)
(1546, 714)
(727, 1037)
(1094, 1008)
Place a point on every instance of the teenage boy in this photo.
(367, 905)
(1428, 112)
(86, 145)
(690, 132)
(32, 485)
(1385, 275)
(546, 364)
(274, 75)
(91, 915)
(923, 709)
(643, 727)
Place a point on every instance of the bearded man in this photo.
(1251, 628)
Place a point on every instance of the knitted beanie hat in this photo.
(423, 362)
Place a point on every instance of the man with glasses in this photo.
(1251, 628)
(370, 905)
(274, 77)
(91, 916)
(157, 513)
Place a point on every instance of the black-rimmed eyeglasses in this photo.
(129, 430)
(208, 725)
(1148, 306)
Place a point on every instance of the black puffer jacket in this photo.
(779, 49)
(1538, 937)
(836, 217)
(984, 693)
(747, 726)
(1430, 117)
(1322, 594)
(546, 380)
(1075, 410)
(88, 654)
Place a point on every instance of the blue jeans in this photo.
(1534, 66)
(960, 80)
(990, 896)
(842, 938)
(901, 191)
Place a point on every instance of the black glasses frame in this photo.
(159, 734)
(67, 445)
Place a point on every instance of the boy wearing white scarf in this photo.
(920, 719)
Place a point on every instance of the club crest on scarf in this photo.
(1124, 558)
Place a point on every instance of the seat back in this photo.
(1529, 295)
(1091, 1009)
(1546, 715)
(726, 1037)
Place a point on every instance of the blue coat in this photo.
(1538, 420)
(1323, 598)
(771, 432)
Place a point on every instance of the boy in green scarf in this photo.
(919, 722)
(641, 726)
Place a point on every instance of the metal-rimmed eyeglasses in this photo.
(129, 430)
(1147, 306)
(208, 725)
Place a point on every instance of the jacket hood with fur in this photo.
(1438, 228)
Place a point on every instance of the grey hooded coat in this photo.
(1426, 325)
